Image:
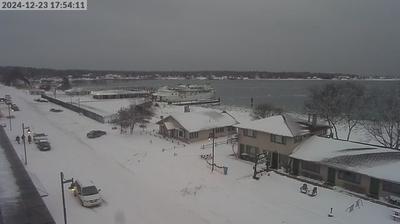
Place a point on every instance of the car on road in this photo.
(14, 107)
(43, 145)
(87, 192)
(55, 110)
(41, 100)
(95, 133)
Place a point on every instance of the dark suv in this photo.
(95, 133)
(43, 145)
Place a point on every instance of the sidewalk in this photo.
(20, 202)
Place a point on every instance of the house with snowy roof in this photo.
(358, 167)
(277, 135)
(301, 148)
(195, 126)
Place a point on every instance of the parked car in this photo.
(14, 107)
(95, 133)
(43, 145)
(41, 100)
(55, 110)
(37, 137)
(2, 99)
(87, 193)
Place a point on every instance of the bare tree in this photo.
(266, 110)
(325, 102)
(351, 104)
(128, 117)
(384, 124)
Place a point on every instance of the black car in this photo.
(55, 110)
(43, 146)
(95, 133)
(14, 107)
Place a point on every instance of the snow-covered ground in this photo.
(103, 107)
(147, 179)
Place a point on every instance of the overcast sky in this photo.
(350, 36)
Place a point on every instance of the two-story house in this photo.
(278, 135)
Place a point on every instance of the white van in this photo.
(88, 193)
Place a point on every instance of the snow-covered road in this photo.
(141, 183)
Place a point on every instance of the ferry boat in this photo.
(185, 93)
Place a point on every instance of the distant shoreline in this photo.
(246, 79)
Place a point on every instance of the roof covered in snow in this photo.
(284, 125)
(202, 120)
(374, 161)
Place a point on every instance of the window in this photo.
(298, 139)
(248, 149)
(278, 139)
(194, 135)
(349, 177)
(311, 175)
(180, 133)
(241, 148)
(219, 130)
(230, 129)
(391, 187)
(249, 133)
(86, 191)
(252, 151)
(310, 166)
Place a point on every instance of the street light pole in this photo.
(62, 193)
(23, 139)
(9, 115)
(213, 150)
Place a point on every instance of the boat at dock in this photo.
(185, 93)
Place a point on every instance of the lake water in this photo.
(288, 94)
